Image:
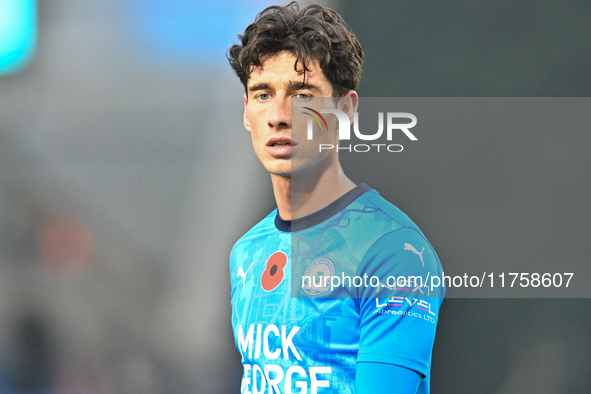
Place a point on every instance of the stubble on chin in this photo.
(283, 170)
(289, 171)
(284, 174)
(300, 167)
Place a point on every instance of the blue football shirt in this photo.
(300, 332)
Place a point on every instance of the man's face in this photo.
(267, 115)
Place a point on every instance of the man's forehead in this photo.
(282, 67)
(286, 58)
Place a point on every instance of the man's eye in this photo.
(263, 96)
(303, 96)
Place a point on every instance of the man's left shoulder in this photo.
(387, 210)
(361, 224)
(400, 249)
(394, 225)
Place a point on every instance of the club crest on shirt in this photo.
(314, 282)
(274, 271)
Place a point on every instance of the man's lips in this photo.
(280, 146)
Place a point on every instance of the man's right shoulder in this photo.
(262, 229)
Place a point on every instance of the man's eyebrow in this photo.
(259, 86)
(294, 85)
(291, 85)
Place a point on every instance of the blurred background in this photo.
(126, 176)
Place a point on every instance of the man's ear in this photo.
(349, 104)
(245, 118)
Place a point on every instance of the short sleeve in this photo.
(398, 327)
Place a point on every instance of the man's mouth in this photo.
(281, 141)
(280, 146)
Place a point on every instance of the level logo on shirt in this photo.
(273, 273)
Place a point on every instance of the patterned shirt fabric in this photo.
(314, 296)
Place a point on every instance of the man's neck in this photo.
(300, 196)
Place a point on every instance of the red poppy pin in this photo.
(273, 274)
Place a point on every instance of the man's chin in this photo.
(284, 174)
(302, 171)
(297, 168)
(283, 171)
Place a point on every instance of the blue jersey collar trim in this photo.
(325, 213)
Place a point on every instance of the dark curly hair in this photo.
(315, 32)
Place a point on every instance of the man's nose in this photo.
(280, 113)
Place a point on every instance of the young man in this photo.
(342, 344)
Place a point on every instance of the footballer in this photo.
(359, 340)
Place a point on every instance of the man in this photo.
(349, 341)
